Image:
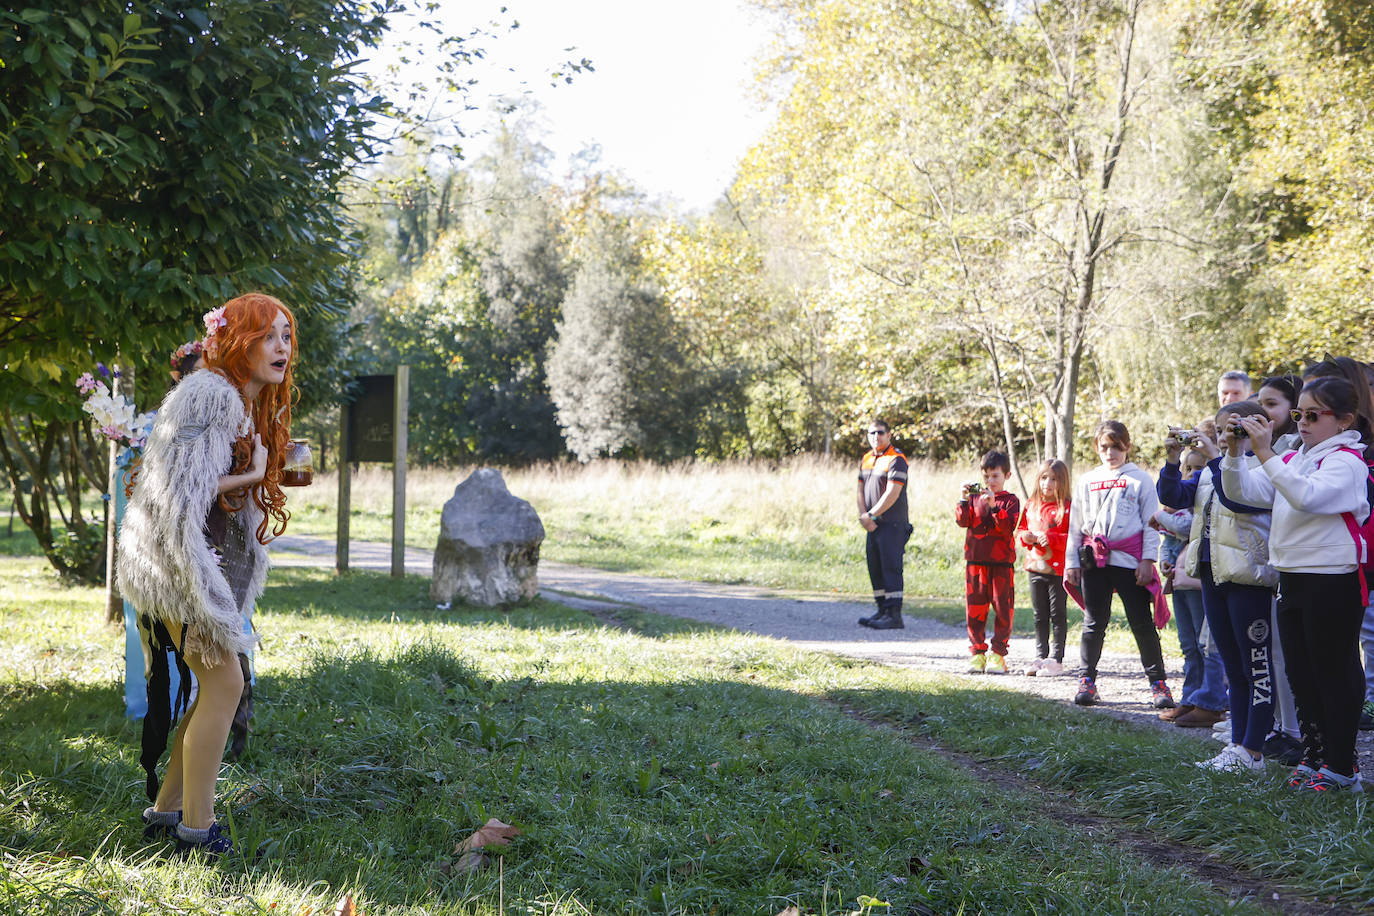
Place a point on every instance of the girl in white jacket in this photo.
(1112, 507)
(1320, 605)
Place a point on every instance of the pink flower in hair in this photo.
(214, 320)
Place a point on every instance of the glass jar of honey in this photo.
(299, 468)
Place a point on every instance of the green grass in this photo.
(789, 525)
(662, 767)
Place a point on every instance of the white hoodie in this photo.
(1308, 534)
(1117, 505)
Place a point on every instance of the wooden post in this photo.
(345, 506)
(398, 473)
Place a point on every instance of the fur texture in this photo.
(166, 566)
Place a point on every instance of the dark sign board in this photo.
(371, 419)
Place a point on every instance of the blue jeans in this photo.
(1204, 677)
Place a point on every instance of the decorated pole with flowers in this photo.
(127, 430)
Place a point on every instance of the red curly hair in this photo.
(248, 321)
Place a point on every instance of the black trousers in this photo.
(1050, 603)
(1319, 625)
(1098, 586)
(884, 548)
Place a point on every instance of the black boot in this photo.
(877, 615)
(890, 618)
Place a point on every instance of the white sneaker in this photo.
(1051, 668)
(1233, 759)
(1221, 731)
(1034, 667)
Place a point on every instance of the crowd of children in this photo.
(1259, 527)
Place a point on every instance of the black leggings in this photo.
(1049, 601)
(1319, 624)
(1098, 585)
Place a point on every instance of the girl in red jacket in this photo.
(1044, 531)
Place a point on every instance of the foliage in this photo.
(616, 371)
(475, 314)
(159, 160)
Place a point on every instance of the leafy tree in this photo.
(616, 369)
(158, 160)
(477, 314)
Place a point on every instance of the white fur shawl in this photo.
(166, 566)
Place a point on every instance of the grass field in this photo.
(790, 525)
(652, 767)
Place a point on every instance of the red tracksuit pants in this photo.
(984, 587)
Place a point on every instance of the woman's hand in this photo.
(1074, 577)
(257, 466)
(1145, 572)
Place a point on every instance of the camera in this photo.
(1186, 436)
(1086, 558)
(1237, 430)
(973, 488)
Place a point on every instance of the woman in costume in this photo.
(191, 554)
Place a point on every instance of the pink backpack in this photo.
(1363, 535)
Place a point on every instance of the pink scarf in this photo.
(1133, 546)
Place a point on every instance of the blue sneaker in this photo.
(160, 825)
(216, 842)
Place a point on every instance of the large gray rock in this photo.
(488, 550)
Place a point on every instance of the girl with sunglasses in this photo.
(1320, 604)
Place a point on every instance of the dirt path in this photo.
(809, 621)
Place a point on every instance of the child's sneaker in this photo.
(212, 841)
(1233, 759)
(1051, 668)
(1300, 775)
(978, 663)
(1087, 692)
(158, 825)
(1034, 667)
(1326, 780)
(1160, 695)
(996, 664)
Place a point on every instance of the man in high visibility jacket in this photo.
(883, 514)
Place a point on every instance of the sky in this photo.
(670, 101)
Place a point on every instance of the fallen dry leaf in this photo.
(467, 863)
(492, 833)
(790, 911)
(346, 907)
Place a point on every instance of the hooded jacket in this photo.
(1118, 505)
(1308, 534)
(166, 566)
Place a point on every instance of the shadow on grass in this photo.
(364, 771)
(692, 791)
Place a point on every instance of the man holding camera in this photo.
(883, 514)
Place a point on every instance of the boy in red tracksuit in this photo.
(989, 513)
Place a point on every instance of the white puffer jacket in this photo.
(1308, 534)
(1238, 541)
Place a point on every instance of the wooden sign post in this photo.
(372, 427)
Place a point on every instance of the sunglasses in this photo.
(1310, 415)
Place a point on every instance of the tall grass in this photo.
(787, 524)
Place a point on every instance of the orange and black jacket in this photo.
(875, 472)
